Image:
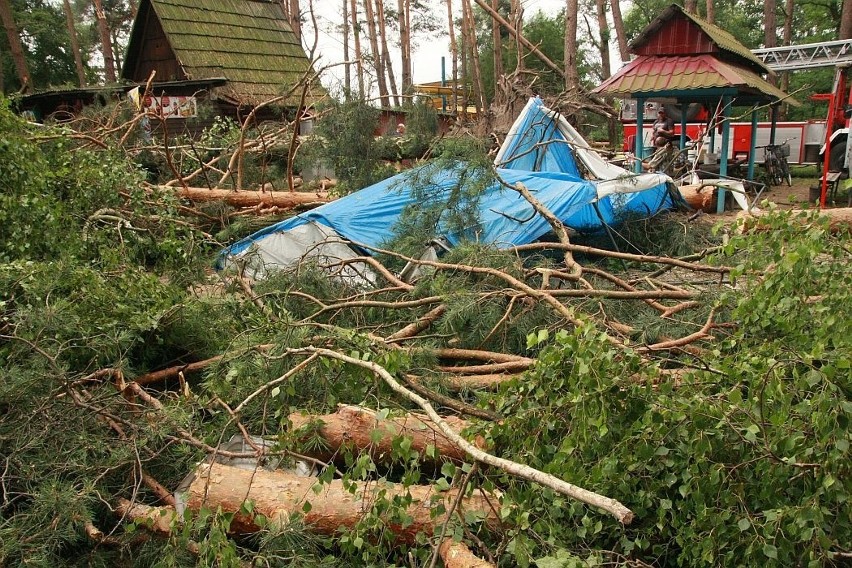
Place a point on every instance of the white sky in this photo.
(426, 58)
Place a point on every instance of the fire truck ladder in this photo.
(806, 56)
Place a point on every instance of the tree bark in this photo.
(15, 45)
(282, 199)
(621, 35)
(365, 430)
(404, 7)
(770, 37)
(845, 20)
(572, 77)
(454, 99)
(497, 40)
(691, 7)
(75, 45)
(516, 18)
(106, 43)
(347, 72)
(386, 61)
(359, 56)
(278, 496)
(478, 86)
(295, 15)
(606, 69)
(370, 16)
(711, 11)
(786, 38)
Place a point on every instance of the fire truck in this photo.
(808, 139)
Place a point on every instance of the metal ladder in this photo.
(806, 56)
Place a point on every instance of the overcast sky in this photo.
(426, 64)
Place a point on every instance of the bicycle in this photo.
(775, 163)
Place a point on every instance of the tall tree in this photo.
(347, 72)
(15, 45)
(770, 36)
(497, 41)
(295, 14)
(710, 6)
(387, 67)
(572, 76)
(455, 56)
(369, 15)
(606, 69)
(106, 42)
(845, 20)
(404, 16)
(690, 7)
(618, 24)
(476, 71)
(516, 16)
(356, 39)
(75, 44)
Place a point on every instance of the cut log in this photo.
(458, 555)
(363, 429)
(280, 199)
(278, 496)
(699, 197)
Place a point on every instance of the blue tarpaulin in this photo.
(541, 152)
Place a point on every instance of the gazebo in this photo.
(682, 59)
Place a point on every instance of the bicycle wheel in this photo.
(772, 177)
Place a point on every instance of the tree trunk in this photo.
(787, 38)
(347, 73)
(478, 86)
(295, 15)
(845, 20)
(281, 199)
(106, 43)
(359, 56)
(516, 17)
(404, 7)
(497, 47)
(386, 61)
(621, 35)
(458, 555)
(711, 11)
(465, 45)
(606, 69)
(75, 45)
(279, 495)
(770, 37)
(369, 15)
(366, 431)
(15, 45)
(572, 77)
(691, 7)
(454, 100)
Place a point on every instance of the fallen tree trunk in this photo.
(358, 426)
(699, 197)
(281, 199)
(279, 495)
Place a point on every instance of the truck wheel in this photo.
(836, 157)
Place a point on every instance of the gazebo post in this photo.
(639, 139)
(773, 112)
(683, 126)
(726, 137)
(752, 143)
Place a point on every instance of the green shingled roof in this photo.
(249, 42)
(723, 39)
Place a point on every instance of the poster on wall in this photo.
(169, 106)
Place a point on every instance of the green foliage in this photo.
(746, 462)
(344, 140)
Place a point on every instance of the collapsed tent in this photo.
(542, 152)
